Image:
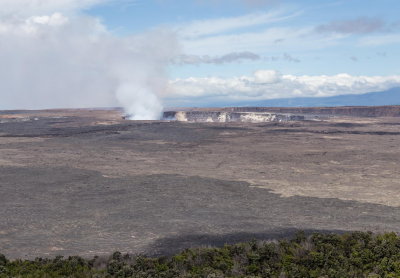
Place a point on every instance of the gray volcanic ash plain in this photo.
(86, 182)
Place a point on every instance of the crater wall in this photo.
(224, 117)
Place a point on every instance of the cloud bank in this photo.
(54, 61)
(271, 84)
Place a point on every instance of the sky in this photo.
(145, 54)
(294, 37)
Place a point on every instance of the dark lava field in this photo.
(86, 182)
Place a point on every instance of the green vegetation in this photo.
(355, 254)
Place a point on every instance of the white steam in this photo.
(55, 61)
(148, 108)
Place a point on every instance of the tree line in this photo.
(356, 254)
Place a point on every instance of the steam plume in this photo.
(55, 61)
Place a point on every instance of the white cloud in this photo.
(39, 7)
(270, 84)
(55, 19)
(208, 27)
(34, 25)
(263, 41)
(267, 76)
(266, 33)
(210, 37)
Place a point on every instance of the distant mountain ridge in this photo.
(388, 97)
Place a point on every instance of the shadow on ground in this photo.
(172, 245)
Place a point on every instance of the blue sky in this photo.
(297, 27)
(144, 55)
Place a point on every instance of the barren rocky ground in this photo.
(86, 182)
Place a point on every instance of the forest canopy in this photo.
(357, 254)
